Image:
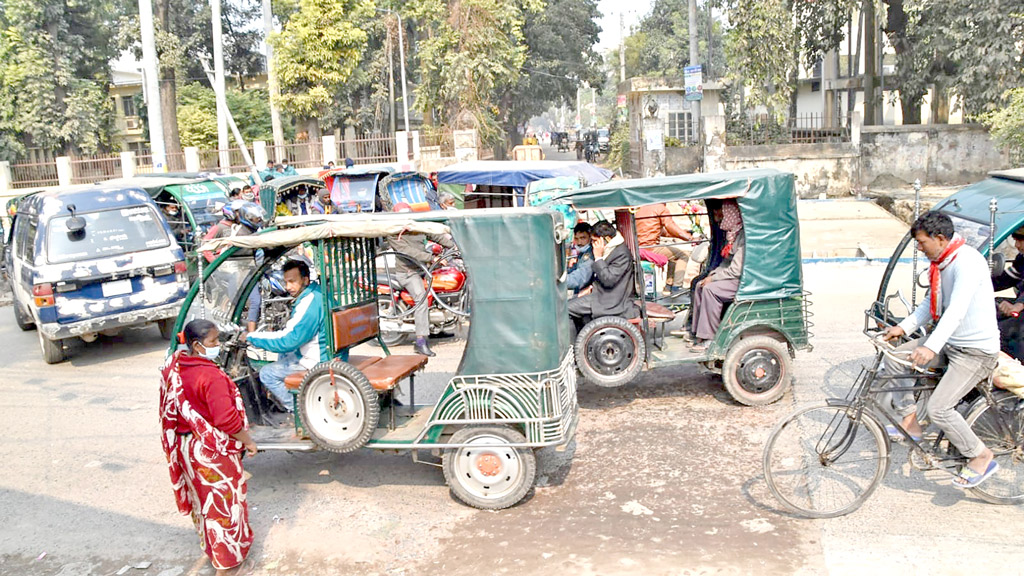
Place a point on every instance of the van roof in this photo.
(85, 199)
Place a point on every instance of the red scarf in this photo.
(934, 279)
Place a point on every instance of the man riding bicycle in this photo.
(964, 339)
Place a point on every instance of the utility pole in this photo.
(401, 56)
(151, 77)
(275, 113)
(593, 107)
(694, 61)
(218, 72)
(868, 8)
(622, 47)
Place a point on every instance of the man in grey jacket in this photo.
(410, 277)
(613, 280)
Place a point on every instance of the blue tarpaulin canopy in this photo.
(518, 174)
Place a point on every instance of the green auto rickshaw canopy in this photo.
(767, 201)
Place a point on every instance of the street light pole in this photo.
(218, 71)
(152, 83)
(401, 56)
(275, 114)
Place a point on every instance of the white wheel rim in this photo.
(488, 473)
(335, 413)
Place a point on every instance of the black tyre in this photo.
(385, 306)
(757, 370)
(1001, 428)
(23, 320)
(610, 351)
(166, 327)
(821, 463)
(53, 350)
(487, 474)
(338, 407)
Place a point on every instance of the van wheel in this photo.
(53, 350)
(610, 351)
(23, 320)
(166, 327)
(757, 370)
(338, 407)
(488, 474)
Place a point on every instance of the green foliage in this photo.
(197, 115)
(661, 44)
(618, 155)
(54, 76)
(472, 53)
(1007, 124)
(319, 49)
(760, 48)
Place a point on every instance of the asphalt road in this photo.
(664, 478)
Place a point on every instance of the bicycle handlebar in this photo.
(894, 355)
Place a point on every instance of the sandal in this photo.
(895, 434)
(968, 478)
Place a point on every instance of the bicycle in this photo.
(825, 460)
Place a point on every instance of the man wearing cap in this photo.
(409, 276)
(1010, 310)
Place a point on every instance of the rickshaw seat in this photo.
(655, 313)
(391, 370)
(352, 326)
(294, 380)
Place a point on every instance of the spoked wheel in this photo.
(386, 309)
(821, 463)
(1001, 428)
(757, 370)
(338, 406)
(610, 351)
(487, 474)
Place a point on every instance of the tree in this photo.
(1007, 124)
(472, 52)
(197, 115)
(319, 49)
(760, 48)
(560, 58)
(54, 76)
(660, 45)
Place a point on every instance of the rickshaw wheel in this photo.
(757, 370)
(390, 337)
(610, 351)
(338, 406)
(491, 476)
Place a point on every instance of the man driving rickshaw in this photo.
(760, 327)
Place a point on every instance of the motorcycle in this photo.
(447, 296)
(592, 150)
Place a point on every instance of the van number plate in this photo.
(117, 288)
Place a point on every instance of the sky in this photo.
(610, 9)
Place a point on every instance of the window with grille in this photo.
(680, 126)
(128, 106)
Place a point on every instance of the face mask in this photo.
(171, 212)
(210, 353)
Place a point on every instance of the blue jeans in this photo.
(272, 376)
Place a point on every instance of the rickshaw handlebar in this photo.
(899, 357)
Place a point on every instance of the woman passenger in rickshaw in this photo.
(718, 287)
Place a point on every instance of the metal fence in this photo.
(96, 168)
(144, 163)
(209, 160)
(444, 143)
(369, 149)
(300, 155)
(35, 175)
(799, 129)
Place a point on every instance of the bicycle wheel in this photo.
(821, 463)
(1001, 428)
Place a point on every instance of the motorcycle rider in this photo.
(415, 247)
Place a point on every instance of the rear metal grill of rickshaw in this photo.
(350, 276)
(790, 316)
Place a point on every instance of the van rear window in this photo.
(107, 233)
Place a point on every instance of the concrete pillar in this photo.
(330, 149)
(6, 181)
(64, 171)
(856, 123)
(350, 145)
(127, 164)
(402, 145)
(416, 145)
(259, 154)
(714, 149)
(465, 145)
(192, 159)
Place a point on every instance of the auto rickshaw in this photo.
(502, 183)
(514, 390)
(760, 330)
(275, 194)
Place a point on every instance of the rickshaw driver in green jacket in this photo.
(302, 344)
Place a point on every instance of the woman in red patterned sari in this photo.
(205, 432)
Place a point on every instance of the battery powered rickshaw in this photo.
(514, 390)
(826, 459)
(503, 183)
(760, 330)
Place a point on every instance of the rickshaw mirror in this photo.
(997, 262)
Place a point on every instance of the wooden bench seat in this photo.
(391, 370)
(655, 313)
(294, 380)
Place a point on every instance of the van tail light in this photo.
(180, 267)
(43, 295)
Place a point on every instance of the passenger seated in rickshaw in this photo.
(295, 203)
(712, 292)
(580, 274)
(322, 203)
(1010, 310)
(302, 344)
(613, 280)
(654, 222)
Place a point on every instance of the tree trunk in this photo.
(169, 97)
